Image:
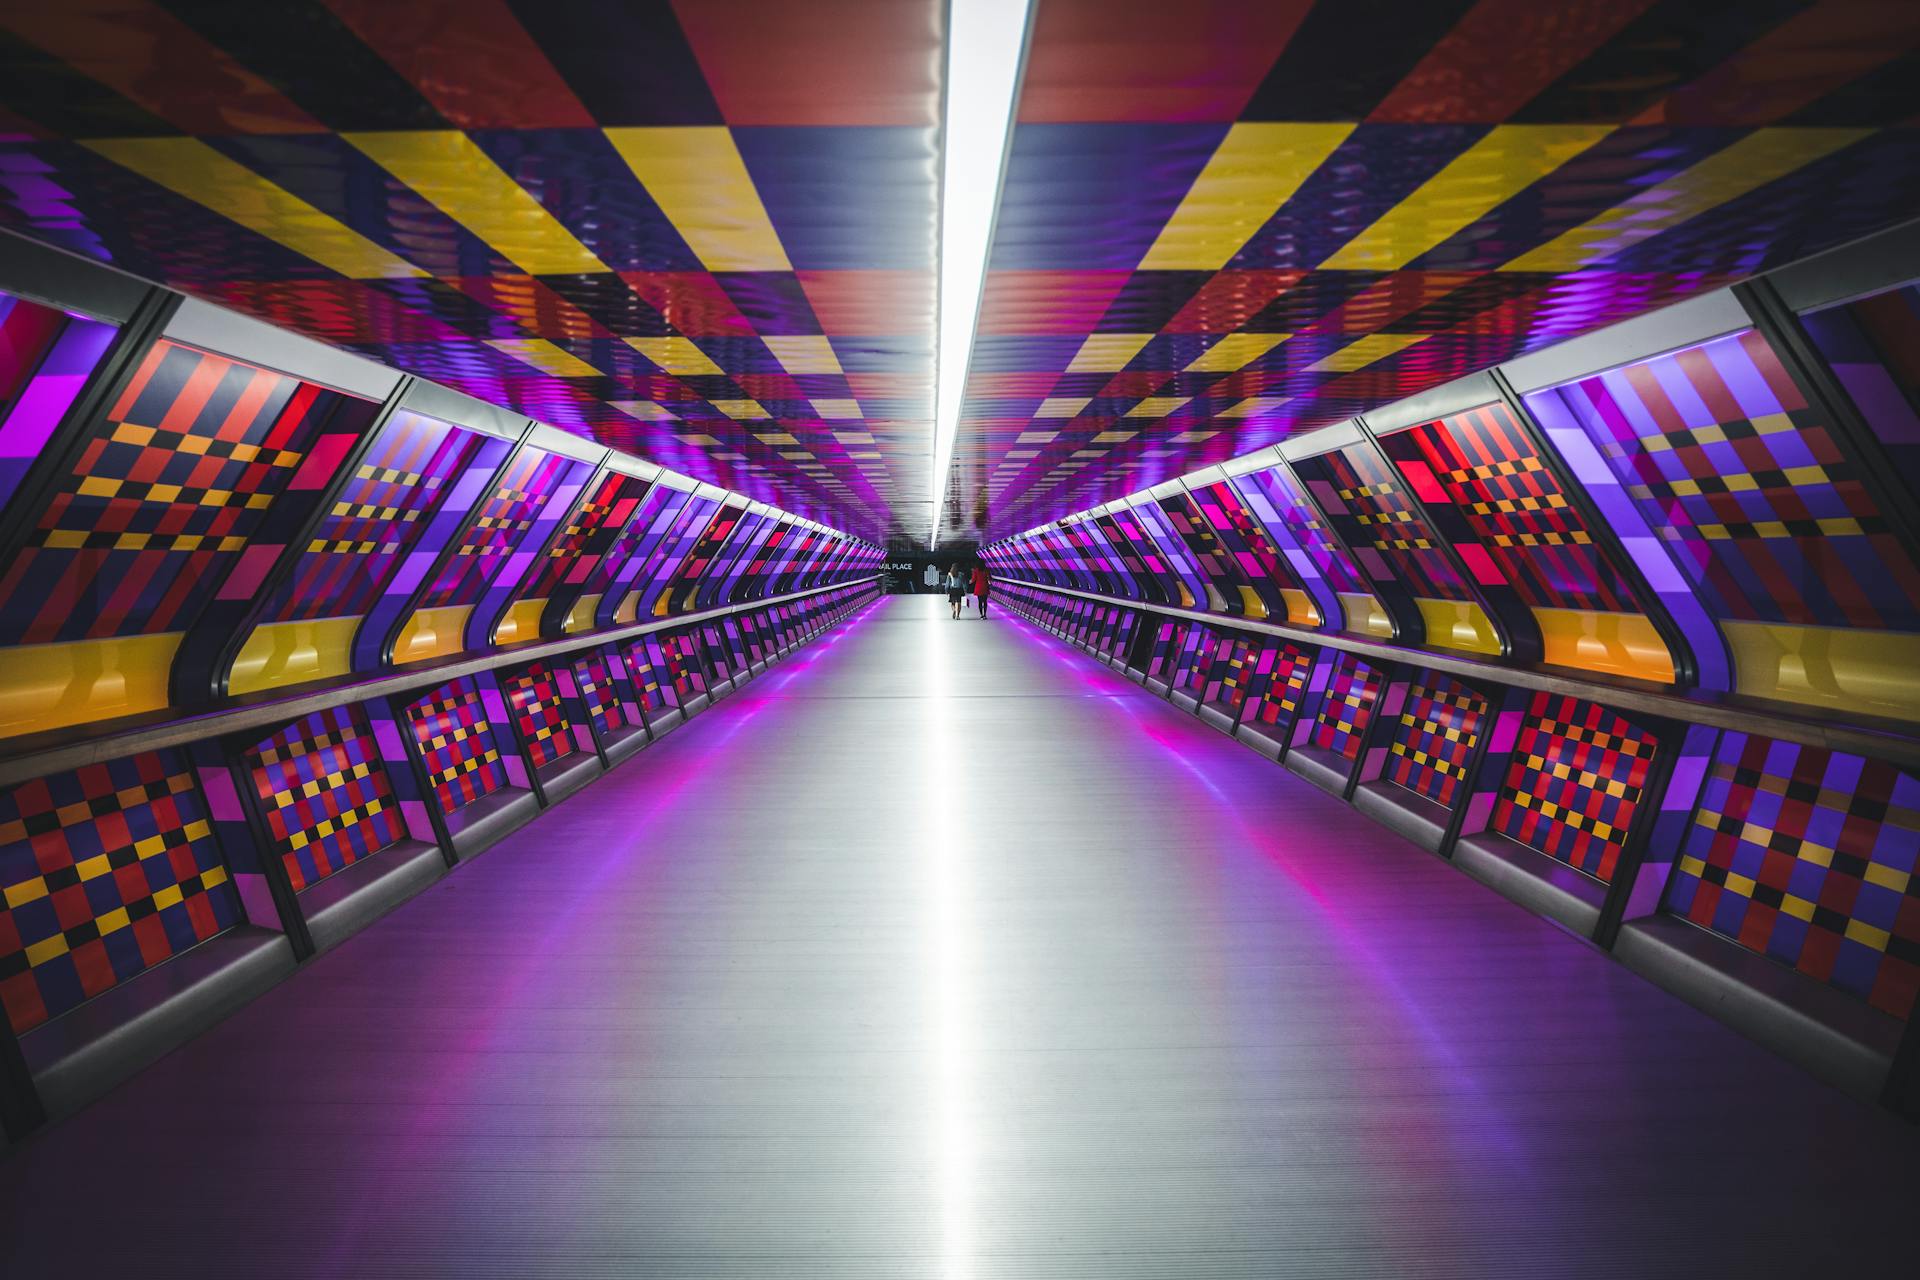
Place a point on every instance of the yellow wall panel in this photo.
(1858, 672)
(1459, 624)
(521, 622)
(283, 653)
(49, 686)
(1621, 644)
(431, 633)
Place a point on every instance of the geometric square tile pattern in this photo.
(169, 485)
(105, 872)
(1353, 690)
(1434, 740)
(1808, 856)
(1574, 782)
(534, 701)
(458, 744)
(325, 794)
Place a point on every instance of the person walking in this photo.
(982, 585)
(956, 588)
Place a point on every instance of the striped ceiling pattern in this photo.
(1224, 223)
(703, 232)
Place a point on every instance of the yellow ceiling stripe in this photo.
(1157, 406)
(1061, 406)
(1235, 351)
(803, 353)
(1490, 172)
(189, 167)
(1252, 405)
(700, 182)
(545, 357)
(1755, 160)
(677, 356)
(453, 173)
(1107, 352)
(1253, 171)
(1360, 354)
(644, 410)
(741, 409)
(838, 410)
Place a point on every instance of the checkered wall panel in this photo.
(1517, 519)
(377, 516)
(1808, 856)
(458, 743)
(324, 793)
(504, 520)
(1279, 683)
(1373, 511)
(1573, 784)
(1750, 488)
(105, 872)
(1433, 740)
(597, 693)
(590, 534)
(651, 675)
(1353, 690)
(533, 699)
(167, 488)
(1231, 673)
(1330, 559)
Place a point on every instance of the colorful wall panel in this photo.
(307, 627)
(46, 357)
(533, 700)
(595, 682)
(1279, 683)
(1353, 691)
(1808, 856)
(458, 744)
(1434, 738)
(133, 542)
(1323, 563)
(105, 872)
(1516, 531)
(1403, 558)
(1775, 525)
(1227, 590)
(504, 519)
(1573, 784)
(1263, 568)
(324, 793)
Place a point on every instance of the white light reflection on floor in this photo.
(943, 836)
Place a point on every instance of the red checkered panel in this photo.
(325, 794)
(1352, 694)
(534, 700)
(1433, 740)
(1573, 786)
(168, 487)
(462, 755)
(105, 871)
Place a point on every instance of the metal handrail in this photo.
(1890, 743)
(33, 756)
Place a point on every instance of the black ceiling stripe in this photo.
(1348, 56)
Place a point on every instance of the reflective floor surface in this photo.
(940, 951)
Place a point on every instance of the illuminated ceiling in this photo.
(702, 232)
(1226, 223)
(706, 231)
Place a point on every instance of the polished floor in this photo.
(940, 951)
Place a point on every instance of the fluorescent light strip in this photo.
(984, 42)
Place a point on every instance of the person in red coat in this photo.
(982, 585)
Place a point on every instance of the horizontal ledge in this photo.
(34, 757)
(1617, 695)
